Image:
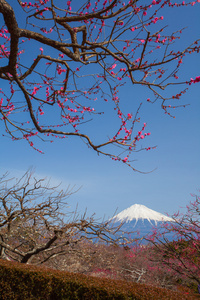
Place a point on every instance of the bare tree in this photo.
(69, 54)
(182, 254)
(133, 263)
(35, 225)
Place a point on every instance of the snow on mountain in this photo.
(140, 212)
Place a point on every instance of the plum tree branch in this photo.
(86, 55)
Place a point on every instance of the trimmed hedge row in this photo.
(21, 281)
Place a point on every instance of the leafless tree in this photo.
(35, 225)
(177, 244)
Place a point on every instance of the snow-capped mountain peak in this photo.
(138, 211)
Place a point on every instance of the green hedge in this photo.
(20, 281)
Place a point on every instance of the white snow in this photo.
(138, 211)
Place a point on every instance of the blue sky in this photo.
(106, 185)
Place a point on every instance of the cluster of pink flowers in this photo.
(140, 135)
(1, 102)
(29, 4)
(35, 89)
(41, 111)
(4, 52)
(60, 70)
(45, 30)
(197, 79)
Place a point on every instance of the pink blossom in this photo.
(197, 79)
(113, 66)
(125, 159)
(35, 89)
(155, 20)
(120, 23)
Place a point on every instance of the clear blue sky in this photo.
(107, 185)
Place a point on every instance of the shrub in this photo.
(19, 281)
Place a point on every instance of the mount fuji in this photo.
(139, 220)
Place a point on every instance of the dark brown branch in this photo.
(11, 23)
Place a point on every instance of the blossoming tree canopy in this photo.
(63, 63)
